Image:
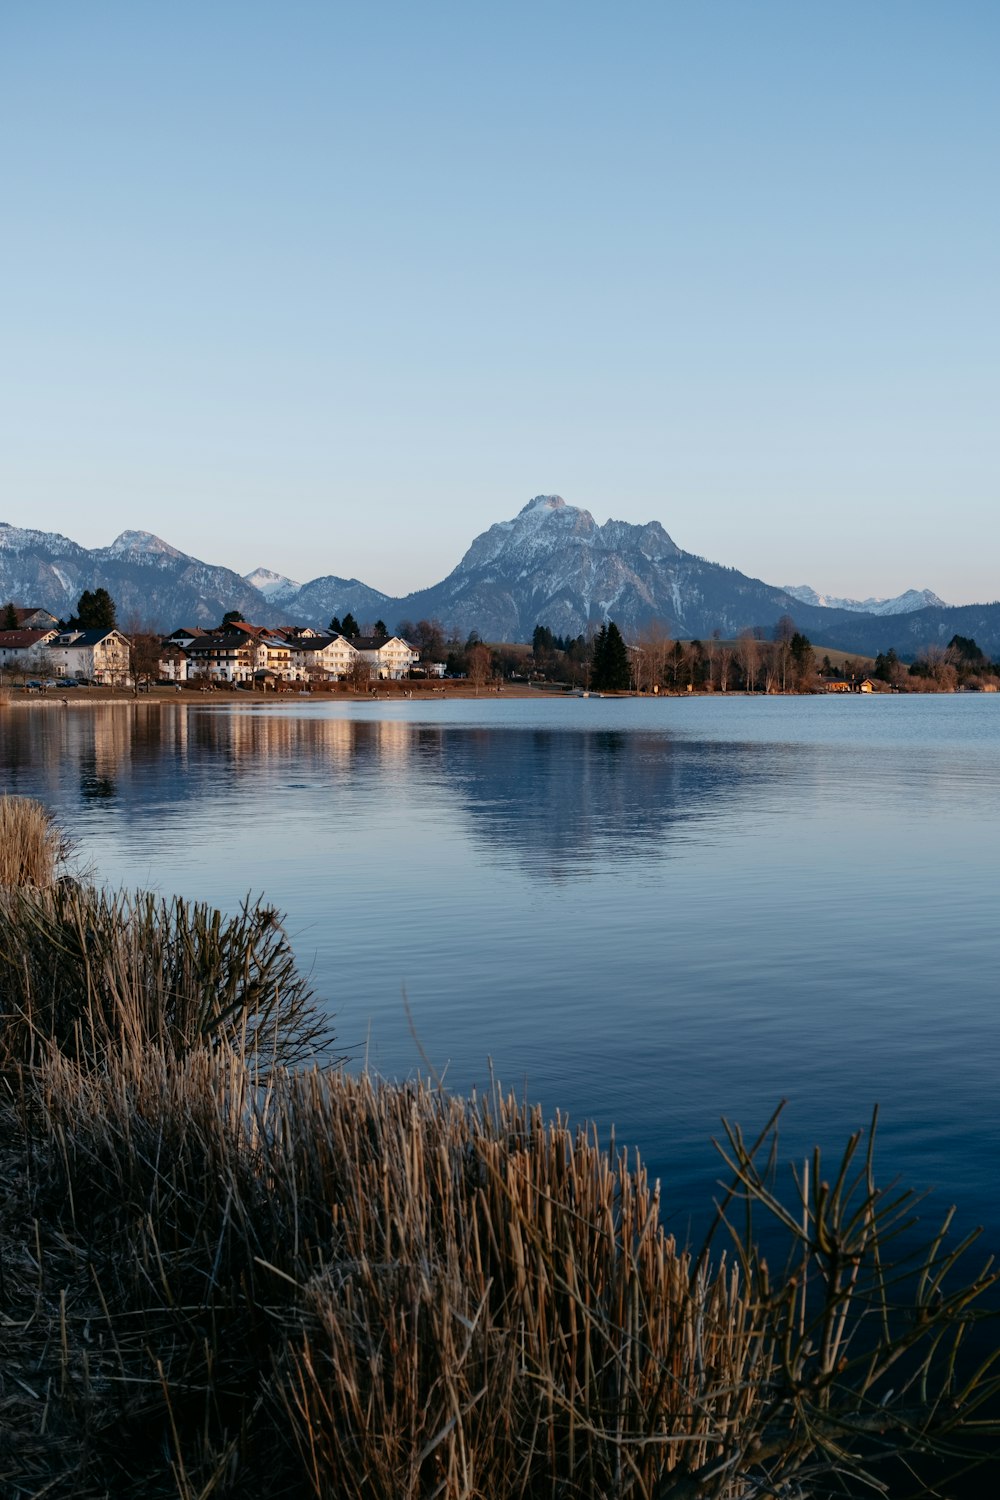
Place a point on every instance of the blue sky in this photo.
(332, 287)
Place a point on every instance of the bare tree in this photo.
(748, 649)
(361, 673)
(480, 665)
(652, 653)
(724, 665)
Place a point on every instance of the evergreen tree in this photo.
(597, 660)
(231, 617)
(9, 616)
(617, 668)
(336, 626)
(350, 626)
(95, 611)
(967, 650)
(380, 632)
(611, 670)
(886, 665)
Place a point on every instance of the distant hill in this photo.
(551, 564)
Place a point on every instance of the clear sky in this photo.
(330, 287)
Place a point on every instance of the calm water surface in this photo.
(647, 913)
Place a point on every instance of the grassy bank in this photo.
(225, 1270)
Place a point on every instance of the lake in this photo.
(643, 912)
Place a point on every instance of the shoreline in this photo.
(73, 698)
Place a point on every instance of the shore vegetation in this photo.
(228, 1267)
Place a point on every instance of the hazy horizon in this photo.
(331, 289)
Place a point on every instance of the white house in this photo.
(222, 656)
(389, 657)
(102, 655)
(322, 656)
(24, 651)
(273, 656)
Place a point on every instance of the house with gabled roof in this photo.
(389, 656)
(24, 651)
(35, 619)
(327, 657)
(222, 656)
(273, 658)
(102, 655)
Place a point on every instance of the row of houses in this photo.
(245, 653)
(240, 653)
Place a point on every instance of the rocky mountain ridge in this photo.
(901, 604)
(551, 564)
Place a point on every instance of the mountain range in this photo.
(551, 564)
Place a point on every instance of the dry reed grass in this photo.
(92, 973)
(31, 847)
(223, 1276)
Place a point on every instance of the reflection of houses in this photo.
(102, 655)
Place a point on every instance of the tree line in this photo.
(779, 660)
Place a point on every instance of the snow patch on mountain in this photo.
(274, 586)
(899, 604)
(139, 544)
(24, 539)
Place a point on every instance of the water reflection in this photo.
(649, 926)
(558, 801)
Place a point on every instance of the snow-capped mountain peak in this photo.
(543, 503)
(274, 586)
(899, 604)
(140, 543)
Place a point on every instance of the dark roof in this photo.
(317, 642)
(86, 637)
(211, 641)
(374, 642)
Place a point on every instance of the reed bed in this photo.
(222, 1275)
(31, 847)
(91, 972)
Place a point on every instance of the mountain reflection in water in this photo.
(648, 913)
(561, 801)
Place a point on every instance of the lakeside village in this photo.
(38, 652)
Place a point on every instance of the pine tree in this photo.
(617, 670)
(351, 626)
(598, 659)
(95, 611)
(336, 626)
(9, 616)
